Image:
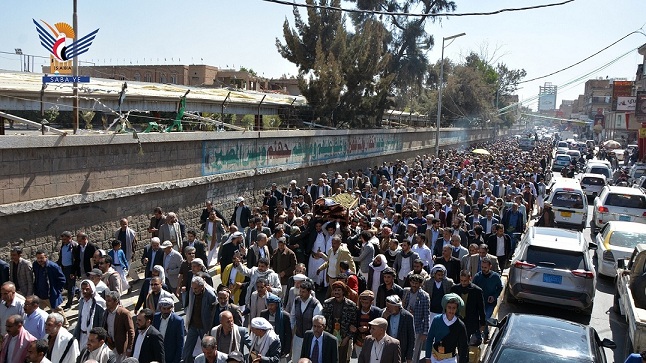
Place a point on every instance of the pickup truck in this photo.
(630, 296)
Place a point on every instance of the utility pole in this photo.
(75, 65)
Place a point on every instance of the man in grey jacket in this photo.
(199, 314)
(367, 253)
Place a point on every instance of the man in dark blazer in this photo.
(153, 255)
(474, 313)
(319, 340)
(191, 240)
(149, 343)
(406, 328)
(4, 272)
(245, 215)
(83, 262)
(392, 350)
(174, 333)
(503, 253)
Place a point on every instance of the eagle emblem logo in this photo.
(59, 40)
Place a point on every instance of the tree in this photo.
(354, 77)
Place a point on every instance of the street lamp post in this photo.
(439, 100)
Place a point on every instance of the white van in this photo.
(569, 203)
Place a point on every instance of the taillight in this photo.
(524, 265)
(603, 209)
(583, 273)
(644, 214)
(608, 256)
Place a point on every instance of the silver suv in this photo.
(552, 266)
(618, 204)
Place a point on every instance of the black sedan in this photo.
(541, 339)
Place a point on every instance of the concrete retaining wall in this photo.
(87, 183)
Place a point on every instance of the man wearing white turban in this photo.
(91, 311)
(265, 343)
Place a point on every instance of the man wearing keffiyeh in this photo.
(265, 343)
(280, 320)
(91, 311)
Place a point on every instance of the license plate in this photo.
(624, 218)
(552, 279)
(566, 214)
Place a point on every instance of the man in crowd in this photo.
(417, 302)
(199, 314)
(401, 324)
(21, 272)
(63, 347)
(491, 285)
(340, 313)
(474, 312)
(67, 260)
(305, 308)
(91, 312)
(49, 281)
(35, 317)
(16, 343)
(119, 325)
(390, 350)
(12, 304)
(171, 327)
(96, 349)
(152, 256)
(149, 343)
(318, 345)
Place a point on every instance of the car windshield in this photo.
(592, 181)
(559, 259)
(639, 173)
(514, 355)
(563, 158)
(626, 239)
(626, 200)
(600, 170)
(567, 200)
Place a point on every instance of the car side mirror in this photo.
(492, 322)
(621, 263)
(607, 343)
(592, 246)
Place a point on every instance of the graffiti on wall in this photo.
(225, 156)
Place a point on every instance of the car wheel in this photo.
(509, 297)
(638, 288)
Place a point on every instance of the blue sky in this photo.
(243, 32)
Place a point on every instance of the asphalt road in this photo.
(607, 323)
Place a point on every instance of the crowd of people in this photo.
(407, 272)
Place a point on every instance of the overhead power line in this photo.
(584, 59)
(394, 13)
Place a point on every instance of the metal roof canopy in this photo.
(21, 91)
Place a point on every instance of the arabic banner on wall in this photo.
(225, 156)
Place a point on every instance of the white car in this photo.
(596, 167)
(561, 161)
(592, 184)
(618, 204)
(616, 241)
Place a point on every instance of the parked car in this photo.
(618, 204)
(552, 266)
(592, 184)
(544, 339)
(617, 240)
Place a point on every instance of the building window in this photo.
(162, 78)
(137, 76)
(148, 77)
(173, 78)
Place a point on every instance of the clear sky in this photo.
(243, 33)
